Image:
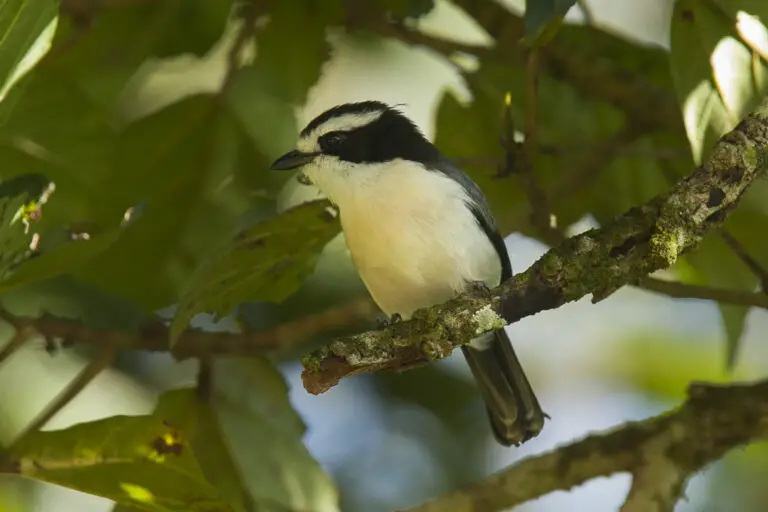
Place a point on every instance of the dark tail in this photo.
(512, 406)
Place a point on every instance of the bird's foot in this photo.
(386, 322)
(480, 288)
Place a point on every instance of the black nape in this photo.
(389, 137)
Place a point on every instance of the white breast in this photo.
(412, 238)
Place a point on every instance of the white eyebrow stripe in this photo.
(347, 122)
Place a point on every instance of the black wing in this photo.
(481, 210)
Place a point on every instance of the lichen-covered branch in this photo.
(598, 262)
(661, 453)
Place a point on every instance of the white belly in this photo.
(414, 241)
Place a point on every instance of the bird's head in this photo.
(353, 142)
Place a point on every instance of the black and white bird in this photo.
(419, 231)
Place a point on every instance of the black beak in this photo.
(292, 160)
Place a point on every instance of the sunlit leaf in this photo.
(717, 64)
(173, 460)
(21, 22)
(266, 262)
(264, 435)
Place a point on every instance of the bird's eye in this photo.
(334, 139)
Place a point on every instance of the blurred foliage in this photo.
(719, 63)
(108, 216)
(543, 18)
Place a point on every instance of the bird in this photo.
(419, 232)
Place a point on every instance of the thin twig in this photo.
(541, 216)
(757, 269)
(692, 291)
(205, 379)
(85, 377)
(153, 336)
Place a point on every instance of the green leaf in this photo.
(202, 26)
(65, 107)
(21, 22)
(734, 318)
(73, 199)
(251, 102)
(173, 460)
(400, 9)
(295, 33)
(719, 72)
(63, 259)
(266, 262)
(64, 297)
(543, 18)
(14, 239)
(251, 402)
(176, 163)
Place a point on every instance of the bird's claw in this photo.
(386, 322)
(480, 287)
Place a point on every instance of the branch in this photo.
(661, 453)
(153, 336)
(598, 262)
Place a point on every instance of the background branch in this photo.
(692, 291)
(661, 453)
(153, 336)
